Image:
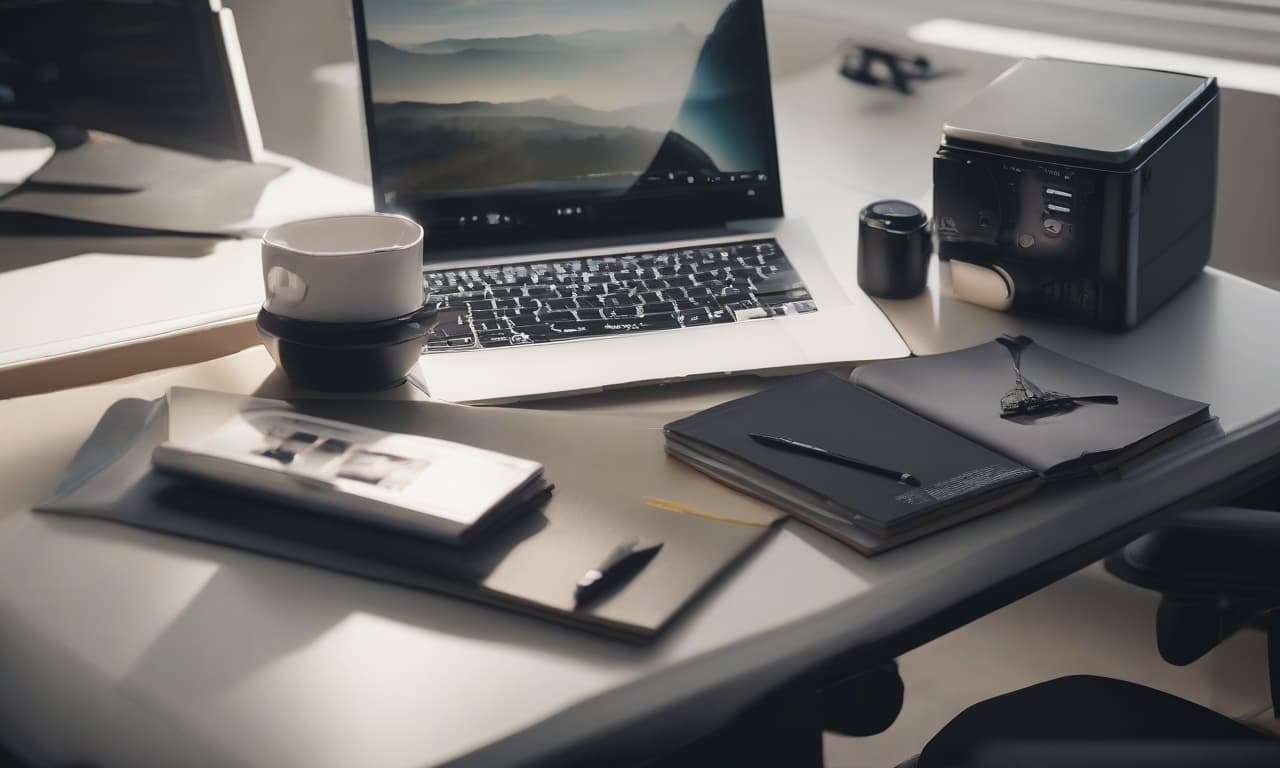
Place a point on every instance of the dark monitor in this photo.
(496, 122)
(164, 72)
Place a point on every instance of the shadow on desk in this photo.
(224, 622)
(287, 607)
(29, 241)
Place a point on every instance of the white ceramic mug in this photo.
(343, 269)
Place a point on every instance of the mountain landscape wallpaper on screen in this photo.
(483, 97)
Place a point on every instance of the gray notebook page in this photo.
(962, 391)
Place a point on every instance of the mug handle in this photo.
(284, 286)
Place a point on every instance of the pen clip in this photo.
(617, 570)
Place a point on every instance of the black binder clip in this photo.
(1027, 401)
(878, 65)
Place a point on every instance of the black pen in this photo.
(788, 444)
(623, 563)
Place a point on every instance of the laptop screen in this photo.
(501, 120)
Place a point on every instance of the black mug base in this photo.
(346, 357)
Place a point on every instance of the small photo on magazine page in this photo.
(382, 469)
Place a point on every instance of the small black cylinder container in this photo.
(346, 357)
(894, 246)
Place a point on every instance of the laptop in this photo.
(600, 187)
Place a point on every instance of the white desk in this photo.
(170, 651)
(138, 649)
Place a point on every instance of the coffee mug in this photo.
(343, 269)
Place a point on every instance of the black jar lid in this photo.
(895, 216)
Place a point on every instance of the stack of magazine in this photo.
(909, 447)
(433, 488)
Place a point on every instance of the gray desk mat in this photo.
(603, 468)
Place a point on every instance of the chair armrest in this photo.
(1214, 551)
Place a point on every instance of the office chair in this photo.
(1218, 570)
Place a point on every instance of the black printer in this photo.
(1080, 192)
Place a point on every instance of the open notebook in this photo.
(953, 436)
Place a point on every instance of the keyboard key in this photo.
(750, 313)
(781, 299)
(731, 295)
(782, 282)
(450, 320)
(607, 327)
(618, 300)
(568, 330)
(700, 316)
(490, 326)
(655, 323)
(657, 308)
(488, 340)
(535, 331)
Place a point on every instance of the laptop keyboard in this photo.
(506, 305)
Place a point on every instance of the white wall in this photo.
(300, 58)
